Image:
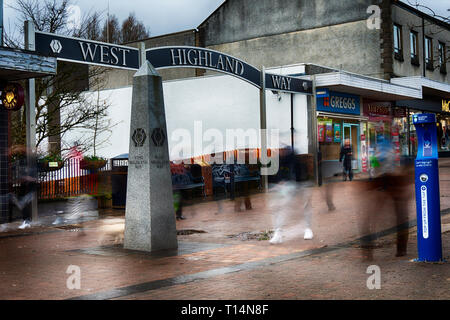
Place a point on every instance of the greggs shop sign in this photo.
(338, 102)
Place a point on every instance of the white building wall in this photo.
(212, 104)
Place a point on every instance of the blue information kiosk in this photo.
(427, 189)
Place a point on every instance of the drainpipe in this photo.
(423, 47)
(292, 122)
(1, 23)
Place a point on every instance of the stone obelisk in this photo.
(150, 218)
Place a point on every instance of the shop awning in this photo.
(19, 65)
(427, 86)
(367, 87)
(322, 114)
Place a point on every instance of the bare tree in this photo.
(61, 102)
(133, 30)
(111, 32)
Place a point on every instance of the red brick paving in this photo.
(34, 266)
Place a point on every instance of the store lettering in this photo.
(203, 58)
(343, 103)
(378, 109)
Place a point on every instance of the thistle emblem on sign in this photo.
(56, 46)
(139, 137)
(158, 137)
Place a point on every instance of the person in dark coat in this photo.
(347, 155)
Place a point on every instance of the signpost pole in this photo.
(429, 239)
(314, 139)
(263, 126)
(142, 54)
(30, 44)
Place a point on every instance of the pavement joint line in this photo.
(183, 279)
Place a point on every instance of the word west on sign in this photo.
(106, 54)
(86, 51)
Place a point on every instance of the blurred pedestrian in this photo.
(391, 181)
(290, 196)
(178, 204)
(347, 155)
(26, 166)
(327, 179)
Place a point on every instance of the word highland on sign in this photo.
(194, 57)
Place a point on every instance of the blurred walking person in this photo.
(289, 197)
(347, 155)
(27, 179)
(391, 181)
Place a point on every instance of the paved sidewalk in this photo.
(225, 254)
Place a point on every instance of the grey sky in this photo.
(167, 16)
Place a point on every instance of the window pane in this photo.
(413, 43)
(397, 44)
(427, 49)
(441, 53)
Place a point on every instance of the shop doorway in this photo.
(351, 132)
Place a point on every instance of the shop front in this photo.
(434, 105)
(386, 124)
(338, 119)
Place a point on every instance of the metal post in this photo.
(409, 132)
(313, 131)
(142, 55)
(263, 125)
(1, 23)
(30, 44)
(423, 49)
(292, 122)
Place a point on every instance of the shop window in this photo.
(429, 53)
(414, 44)
(398, 48)
(442, 61)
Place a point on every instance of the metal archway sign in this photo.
(91, 52)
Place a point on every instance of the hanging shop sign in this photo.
(86, 51)
(12, 97)
(339, 102)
